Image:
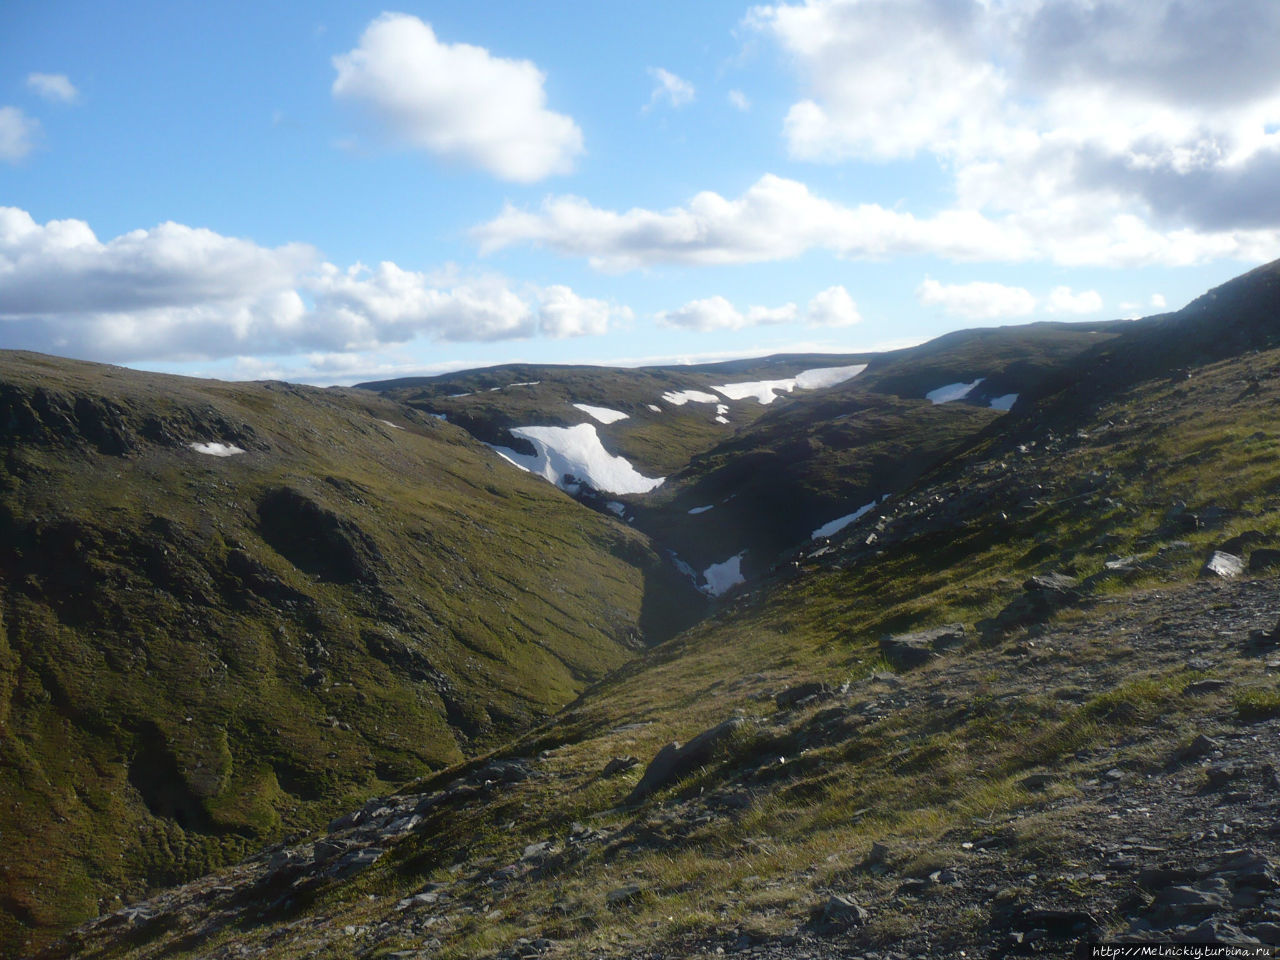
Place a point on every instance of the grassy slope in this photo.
(1028, 498)
(192, 663)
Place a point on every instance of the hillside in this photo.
(227, 611)
(1011, 707)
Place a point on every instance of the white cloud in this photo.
(739, 100)
(1065, 300)
(17, 134)
(1158, 301)
(833, 307)
(977, 300)
(779, 219)
(53, 86)
(676, 91)
(563, 313)
(457, 101)
(180, 293)
(1084, 115)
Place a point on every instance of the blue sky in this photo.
(331, 192)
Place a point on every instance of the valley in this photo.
(965, 647)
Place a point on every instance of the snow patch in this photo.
(722, 413)
(697, 510)
(1004, 403)
(616, 507)
(766, 391)
(576, 452)
(216, 449)
(680, 397)
(839, 523)
(952, 391)
(655, 408)
(396, 426)
(723, 577)
(821, 377)
(603, 414)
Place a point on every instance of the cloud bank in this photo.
(176, 292)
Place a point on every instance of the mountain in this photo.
(1026, 698)
(228, 610)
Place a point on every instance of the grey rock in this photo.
(349, 864)
(675, 761)
(793, 696)
(1225, 566)
(840, 913)
(1264, 558)
(619, 895)
(1037, 781)
(1199, 747)
(1207, 896)
(908, 650)
(619, 765)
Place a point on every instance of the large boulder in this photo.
(907, 650)
(675, 761)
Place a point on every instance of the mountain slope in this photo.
(1090, 752)
(203, 649)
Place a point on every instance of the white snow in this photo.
(952, 391)
(454, 396)
(525, 383)
(616, 507)
(577, 452)
(766, 391)
(723, 577)
(1004, 403)
(216, 449)
(697, 510)
(655, 408)
(396, 426)
(762, 390)
(821, 377)
(603, 414)
(839, 523)
(680, 397)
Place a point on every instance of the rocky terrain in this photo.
(1028, 697)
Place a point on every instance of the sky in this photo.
(330, 192)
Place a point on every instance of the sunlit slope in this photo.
(200, 653)
(993, 780)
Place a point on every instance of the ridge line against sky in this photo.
(330, 192)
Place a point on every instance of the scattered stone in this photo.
(1206, 686)
(1037, 781)
(1226, 566)
(908, 650)
(840, 913)
(621, 895)
(1199, 747)
(801, 693)
(354, 862)
(1264, 558)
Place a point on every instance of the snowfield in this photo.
(679, 398)
(603, 414)
(952, 391)
(216, 449)
(723, 577)
(839, 523)
(766, 391)
(1004, 403)
(697, 510)
(576, 452)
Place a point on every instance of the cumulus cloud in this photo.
(181, 293)
(562, 313)
(981, 300)
(53, 86)
(675, 91)
(978, 300)
(739, 100)
(831, 307)
(778, 219)
(17, 134)
(456, 101)
(1059, 111)
(1066, 300)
